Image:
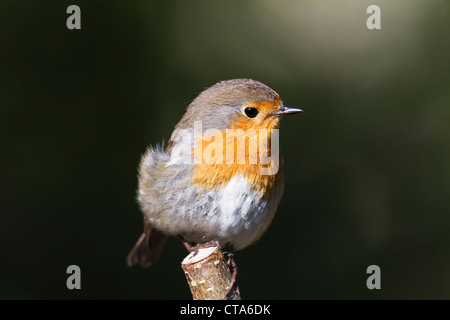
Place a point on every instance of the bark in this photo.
(209, 275)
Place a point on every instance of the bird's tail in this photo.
(148, 248)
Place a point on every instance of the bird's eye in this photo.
(251, 112)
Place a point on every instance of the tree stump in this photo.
(209, 276)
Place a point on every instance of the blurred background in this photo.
(367, 164)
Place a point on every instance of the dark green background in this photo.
(367, 164)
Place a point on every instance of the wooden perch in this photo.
(209, 276)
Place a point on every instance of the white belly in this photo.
(242, 216)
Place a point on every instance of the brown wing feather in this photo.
(148, 248)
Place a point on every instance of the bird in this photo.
(199, 192)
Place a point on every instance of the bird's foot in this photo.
(233, 269)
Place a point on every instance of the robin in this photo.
(200, 192)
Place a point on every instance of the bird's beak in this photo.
(286, 110)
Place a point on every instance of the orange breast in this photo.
(225, 154)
